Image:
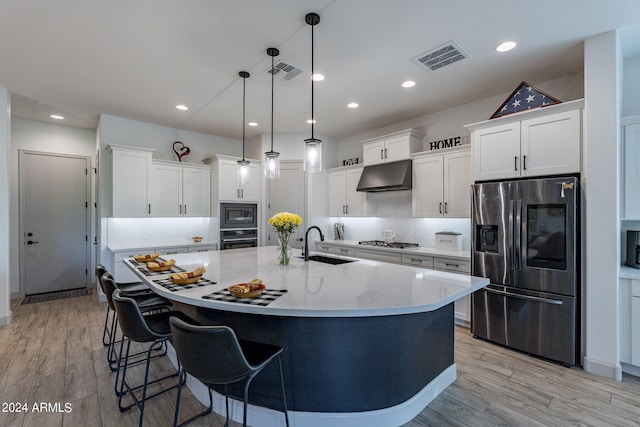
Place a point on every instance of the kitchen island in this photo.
(366, 342)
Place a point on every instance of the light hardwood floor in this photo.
(52, 352)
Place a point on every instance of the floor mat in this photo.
(50, 296)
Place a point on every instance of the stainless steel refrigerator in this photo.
(526, 239)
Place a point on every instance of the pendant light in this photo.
(312, 146)
(271, 158)
(243, 165)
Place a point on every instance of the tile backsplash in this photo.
(394, 213)
(137, 232)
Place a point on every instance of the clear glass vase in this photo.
(284, 251)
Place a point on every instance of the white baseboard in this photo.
(603, 369)
(5, 320)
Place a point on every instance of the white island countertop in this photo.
(315, 289)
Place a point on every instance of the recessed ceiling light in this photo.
(409, 83)
(182, 107)
(311, 121)
(317, 77)
(506, 46)
(57, 117)
(252, 124)
(352, 105)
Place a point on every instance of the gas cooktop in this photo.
(382, 243)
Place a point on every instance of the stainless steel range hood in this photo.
(386, 177)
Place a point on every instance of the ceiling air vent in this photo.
(284, 71)
(441, 56)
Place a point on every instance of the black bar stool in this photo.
(151, 328)
(215, 356)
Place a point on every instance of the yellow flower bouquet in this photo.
(285, 223)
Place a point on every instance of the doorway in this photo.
(287, 195)
(54, 221)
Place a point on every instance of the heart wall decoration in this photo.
(181, 150)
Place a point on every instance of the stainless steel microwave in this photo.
(238, 215)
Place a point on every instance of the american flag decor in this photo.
(525, 97)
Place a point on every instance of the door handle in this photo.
(440, 207)
(515, 163)
(445, 207)
(31, 242)
(385, 153)
(524, 163)
(381, 154)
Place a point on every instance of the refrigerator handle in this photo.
(527, 297)
(510, 234)
(518, 235)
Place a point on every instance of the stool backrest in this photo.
(130, 318)
(210, 353)
(108, 285)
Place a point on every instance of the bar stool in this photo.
(215, 356)
(147, 301)
(138, 287)
(151, 328)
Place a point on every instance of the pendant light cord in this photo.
(313, 117)
(272, 75)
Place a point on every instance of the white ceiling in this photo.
(138, 59)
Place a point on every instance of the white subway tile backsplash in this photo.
(136, 232)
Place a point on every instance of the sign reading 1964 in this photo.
(445, 143)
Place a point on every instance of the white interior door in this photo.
(55, 220)
(287, 195)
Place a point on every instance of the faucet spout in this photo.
(306, 240)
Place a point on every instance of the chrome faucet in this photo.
(306, 240)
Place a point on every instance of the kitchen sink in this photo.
(329, 260)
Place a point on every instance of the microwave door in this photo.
(546, 241)
(492, 231)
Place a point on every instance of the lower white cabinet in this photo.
(462, 307)
(630, 321)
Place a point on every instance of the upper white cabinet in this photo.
(538, 142)
(130, 181)
(228, 186)
(344, 200)
(441, 185)
(631, 179)
(180, 190)
(392, 147)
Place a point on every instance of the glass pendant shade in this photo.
(244, 172)
(271, 165)
(312, 155)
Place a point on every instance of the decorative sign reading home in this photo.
(181, 150)
(349, 162)
(454, 141)
(525, 97)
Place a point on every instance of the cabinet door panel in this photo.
(397, 148)
(496, 152)
(166, 190)
(337, 193)
(196, 192)
(457, 185)
(427, 187)
(551, 144)
(635, 331)
(632, 171)
(355, 199)
(250, 192)
(131, 173)
(373, 152)
(228, 181)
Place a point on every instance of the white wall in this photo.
(5, 247)
(42, 137)
(601, 189)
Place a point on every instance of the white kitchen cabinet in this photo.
(130, 181)
(630, 322)
(631, 177)
(539, 142)
(206, 248)
(441, 185)
(385, 256)
(230, 188)
(335, 249)
(462, 307)
(180, 190)
(344, 199)
(392, 147)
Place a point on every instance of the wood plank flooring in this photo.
(52, 352)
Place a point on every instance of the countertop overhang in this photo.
(357, 289)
